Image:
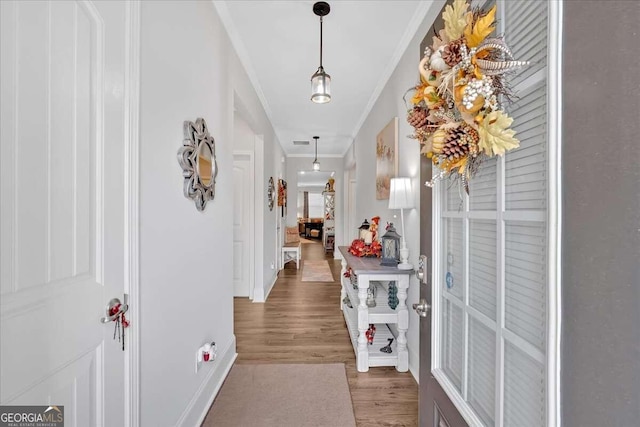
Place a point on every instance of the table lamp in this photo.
(401, 197)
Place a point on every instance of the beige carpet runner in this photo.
(298, 395)
(316, 271)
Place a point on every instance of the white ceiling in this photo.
(278, 43)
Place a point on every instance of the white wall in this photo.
(243, 135)
(188, 70)
(248, 109)
(389, 105)
(295, 164)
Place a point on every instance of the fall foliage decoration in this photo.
(373, 250)
(455, 109)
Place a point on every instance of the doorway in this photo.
(316, 209)
(243, 224)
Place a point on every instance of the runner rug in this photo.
(316, 271)
(268, 395)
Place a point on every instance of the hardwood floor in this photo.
(301, 322)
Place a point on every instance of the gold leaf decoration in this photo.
(455, 19)
(475, 33)
(495, 135)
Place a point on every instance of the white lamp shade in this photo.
(316, 165)
(401, 194)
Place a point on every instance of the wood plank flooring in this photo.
(301, 322)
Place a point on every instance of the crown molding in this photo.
(245, 60)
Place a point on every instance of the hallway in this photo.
(301, 322)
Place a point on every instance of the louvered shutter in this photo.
(494, 255)
(525, 233)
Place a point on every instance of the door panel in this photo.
(62, 256)
(436, 409)
(242, 225)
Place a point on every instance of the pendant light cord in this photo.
(321, 42)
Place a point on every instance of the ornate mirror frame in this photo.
(271, 194)
(197, 145)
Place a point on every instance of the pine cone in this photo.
(451, 54)
(459, 141)
(417, 117)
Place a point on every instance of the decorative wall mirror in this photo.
(197, 158)
(271, 193)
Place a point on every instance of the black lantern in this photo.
(363, 229)
(390, 247)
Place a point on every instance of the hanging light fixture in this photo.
(321, 81)
(316, 163)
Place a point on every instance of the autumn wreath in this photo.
(456, 112)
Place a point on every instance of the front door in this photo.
(436, 409)
(63, 140)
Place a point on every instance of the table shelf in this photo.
(381, 313)
(358, 317)
(380, 339)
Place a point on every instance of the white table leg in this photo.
(362, 358)
(343, 292)
(403, 325)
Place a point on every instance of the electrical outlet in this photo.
(206, 353)
(273, 266)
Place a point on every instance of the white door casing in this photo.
(243, 224)
(69, 182)
(352, 222)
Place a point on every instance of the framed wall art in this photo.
(271, 193)
(386, 158)
(282, 195)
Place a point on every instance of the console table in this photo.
(360, 316)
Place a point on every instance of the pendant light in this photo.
(316, 163)
(321, 81)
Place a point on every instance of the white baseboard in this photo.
(258, 296)
(261, 295)
(266, 294)
(414, 364)
(198, 407)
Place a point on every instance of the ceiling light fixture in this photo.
(316, 163)
(321, 81)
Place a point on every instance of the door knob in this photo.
(422, 307)
(115, 308)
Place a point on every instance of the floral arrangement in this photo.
(374, 249)
(360, 249)
(455, 110)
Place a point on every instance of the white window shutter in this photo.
(524, 389)
(482, 267)
(482, 371)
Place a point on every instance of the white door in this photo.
(243, 225)
(63, 138)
